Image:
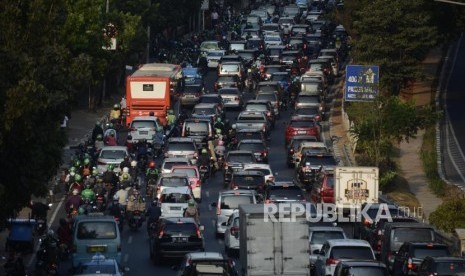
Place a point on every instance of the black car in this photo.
(234, 162)
(248, 56)
(212, 98)
(263, 106)
(294, 145)
(297, 43)
(247, 180)
(284, 191)
(250, 134)
(441, 266)
(257, 146)
(310, 165)
(411, 254)
(174, 238)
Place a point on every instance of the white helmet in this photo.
(125, 170)
(75, 192)
(133, 163)
(72, 173)
(116, 197)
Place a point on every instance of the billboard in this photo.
(362, 83)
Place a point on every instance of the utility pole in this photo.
(107, 10)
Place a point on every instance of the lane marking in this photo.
(130, 240)
(126, 257)
(207, 194)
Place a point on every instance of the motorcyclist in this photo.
(109, 130)
(110, 140)
(122, 195)
(158, 139)
(109, 177)
(133, 170)
(88, 194)
(125, 163)
(86, 168)
(135, 202)
(115, 209)
(64, 235)
(170, 119)
(220, 149)
(192, 211)
(153, 213)
(39, 210)
(142, 149)
(115, 114)
(99, 144)
(96, 131)
(73, 201)
(130, 144)
(125, 175)
(224, 44)
(77, 184)
(219, 124)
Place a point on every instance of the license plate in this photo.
(175, 208)
(96, 248)
(226, 100)
(180, 239)
(302, 132)
(143, 132)
(189, 96)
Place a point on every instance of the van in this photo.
(396, 233)
(231, 68)
(144, 128)
(200, 130)
(95, 233)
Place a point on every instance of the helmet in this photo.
(233, 126)
(170, 111)
(81, 211)
(77, 178)
(72, 169)
(204, 151)
(224, 37)
(191, 203)
(86, 161)
(97, 123)
(220, 143)
(129, 138)
(99, 137)
(50, 233)
(116, 107)
(152, 165)
(94, 171)
(77, 163)
(111, 168)
(75, 192)
(126, 158)
(125, 176)
(133, 163)
(72, 173)
(110, 125)
(218, 120)
(125, 170)
(155, 201)
(218, 131)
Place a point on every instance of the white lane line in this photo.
(130, 240)
(209, 207)
(213, 223)
(125, 258)
(207, 194)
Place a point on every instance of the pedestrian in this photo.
(214, 16)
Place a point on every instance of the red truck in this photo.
(149, 89)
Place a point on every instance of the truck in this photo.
(355, 186)
(272, 247)
(149, 89)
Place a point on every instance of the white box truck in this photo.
(269, 248)
(355, 185)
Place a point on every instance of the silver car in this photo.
(168, 163)
(143, 128)
(181, 147)
(111, 155)
(232, 97)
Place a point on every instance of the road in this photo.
(135, 244)
(453, 131)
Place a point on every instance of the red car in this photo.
(301, 126)
(193, 174)
(324, 192)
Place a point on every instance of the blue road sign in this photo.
(362, 83)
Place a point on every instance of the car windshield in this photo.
(174, 182)
(250, 118)
(179, 229)
(352, 252)
(373, 212)
(253, 44)
(208, 268)
(187, 171)
(251, 146)
(180, 146)
(215, 54)
(143, 124)
(233, 201)
(263, 171)
(169, 165)
(290, 193)
(310, 87)
(279, 77)
(210, 100)
(237, 46)
(422, 253)
(228, 92)
(314, 150)
(196, 127)
(226, 79)
(256, 107)
(209, 45)
(299, 30)
(112, 154)
(241, 158)
(320, 160)
(270, 70)
(249, 135)
(307, 111)
(330, 181)
(267, 97)
(192, 89)
(98, 269)
(229, 68)
(368, 271)
(271, 28)
(316, 66)
(272, 38)
(320, 237)
(449, 268)
(286, 21)
(203, 110)
(308, 99)
(275, 52)
(175, 198)
(246, 55)
(302, 124)
(402, 235)
(249, 180)
(96, 230)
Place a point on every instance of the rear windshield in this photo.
(352, 252)
(180, 229)
(238, 47)
(227, 92)
(250, 118)
(169, 165)
(299, 30)
(251, 146)
(233, 202)
(320, 237)
(280, 77)
(226, 79)
(173, 182)
(210, 100)
(248, 180)
(248, 135)
(246, 55)
(267, 97)
(401, 235)
(286, 194)
(203, 110)
(195, 127)
(181, 146)
(264, 171)
(302, 124)
(186, 171)
(112, 154)
(229, 68)
(210, 268)
(253, 44)
(314, 150)
(368, 271)
(307, 111)
(373, 212)
(175, 198)
(310, 87)
(270, 70)
(330, 181)
(143, 124)
(270, 28)
(286, 21)
(256, 107)
(422, 253)
(308, 99)
(275, 52)
(450, 268)
(96, 230)
(320, 161)
(243, 158)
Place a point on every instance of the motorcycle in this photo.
(220, 161)
(204, 171)
(136, 220)
(46, 257)
(41, 226)
(100, 202)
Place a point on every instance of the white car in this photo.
(143, 127)
(272, 39)
(111, 155)
(336, 250)
(263, 168)
(169, 162)
(173, 201)
(231, 235)
(213, 58)
(171, 180)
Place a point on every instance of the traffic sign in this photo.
(362, 83)
(205, 4)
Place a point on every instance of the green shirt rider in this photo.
(170, 118)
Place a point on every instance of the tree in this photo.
(449, 215)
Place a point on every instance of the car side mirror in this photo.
(214, 204)
(224, 223)
(316, 252)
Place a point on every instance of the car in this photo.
(300, 30)
(364, 228)
(253, 120)
(192, 172)
(228, 81)
(283, 78)
(309, 112)
(256, 43)
(284, 191)
(323, 190)
(100, 265)
(252, 33)
(169, 162)
(294, 145)
(269, 86)
(301, 126)
(273, 53)
(262, 13)
(360, 267)
(254, 19)
(304, 100)
(232, 97)
(191, 94)
(235, 161)
(252, 134)
(268, 70)
(314, 15)
(270, 28)
(292, 11)
(315, 76)
(313, 148)
(310, 164)
(321, 65)
(209, 45)
(143, 128)
(262, 106)
(289, 56)
(175, 237)
(441, 266)
(248, 56)
(207, 263)
(237, 45)
(411, 254)
(111, 155)
(207, 111)
(200, 130)
(213, 58)
(231, 68)
(231, 235)
(247, 180)
(212, 98)
(333, 61)
(228, 201)
(271, 97)
(230, 58)
(171, 180)
(257, 146)
(181, 147)
(318, 235)
(311, 88)
(174, 201)
(272, 39)
(285, 24)
(335, 250)
(263, 168)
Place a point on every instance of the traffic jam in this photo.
(219, 161)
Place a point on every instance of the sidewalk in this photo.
(410, 163)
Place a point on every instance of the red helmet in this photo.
(152, 165)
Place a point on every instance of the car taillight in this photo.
(271, 178)
(160, 235)
(367, 222)
(234, 231)
(268, 113)
(378, 245)
(291, 150)
(410, 264)
(331, 261)
(197, 184)
(199, 234)
(218, 211)
(264, 153)
(158, 187)
(236, 98)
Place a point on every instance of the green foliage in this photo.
(449, 215)
(429, 160)
(387, 178)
